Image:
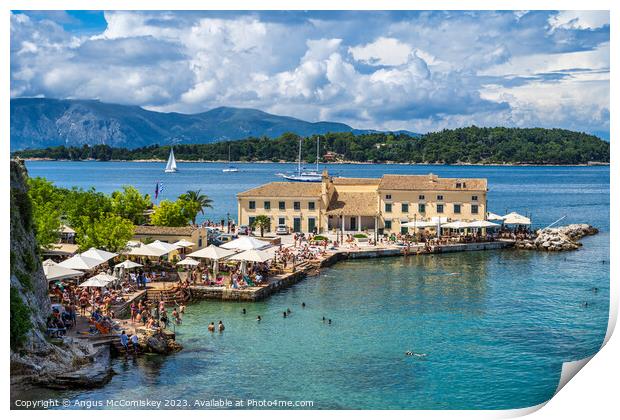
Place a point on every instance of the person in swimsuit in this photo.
(211, 327)
(220, 326)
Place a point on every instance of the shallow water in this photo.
(495, 326)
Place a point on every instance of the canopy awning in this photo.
(516, 219)
(252, 255)
(455, 225)
(128, 264)
(147, 251)
(100, 280)
(493, 216)
(188, 261)
(56, 272)
(99, 254)
(80, 262)
(482, 224)
(164, 245)
(212, 252)
(245, 243)
(184, 244)
(419, 224)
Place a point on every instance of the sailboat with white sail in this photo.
(230, 168)
(171, 166)
(305, 176)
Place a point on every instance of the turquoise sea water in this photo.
(495, 326)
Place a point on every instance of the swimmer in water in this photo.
(410, 353)
(329, 321)
(323, 319)
(211, 327)
(288, 310)
(284, 314)
(258, 318)
(303, 304)
(243, 311)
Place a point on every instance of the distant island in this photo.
(471, 145)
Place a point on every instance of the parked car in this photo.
(281, 230)
(223, 238)
(244, 230)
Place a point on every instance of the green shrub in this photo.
(24, 279)
(318, 238)
(20, 320)
(360, 236)
(29, 262)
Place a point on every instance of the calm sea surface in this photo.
(495, 326)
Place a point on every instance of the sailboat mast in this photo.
(318, 141)
(299, 160)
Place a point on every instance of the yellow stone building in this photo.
(364, 204)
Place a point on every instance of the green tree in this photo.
(262, 222)
(20, 323)
(194, 203)
(170, 213)
(47, 224)
(110, 232)
(130, 204)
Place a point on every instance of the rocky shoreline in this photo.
(564, 238)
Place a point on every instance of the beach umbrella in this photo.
(212, 252)
(188, 261)
(419, 224)
(80, 262)
(482, 224)
(128, 264)
(184, 244)
(493, 216)
(164, 245)
(49, 262)
(455, 225)
(100, 280)
(147, 251)
(516, 219)
(252, 255)
(99, 254)
(246, 242)
(56, 272)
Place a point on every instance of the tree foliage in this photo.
(110, 232)
(170, 213)
(194, 202)
(130, 204)
(262, 222)
(464, 145)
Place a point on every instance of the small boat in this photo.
(230, 167)
(305, 176)
(171, 166)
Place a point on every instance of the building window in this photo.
(281, 221)
(440, 198)
(388, 224)
(458, 185)
(421, 197)
(439, 208)
(474, 209)
(199, 242)
(464, 185)
(388, 207)
(405, 208)
(296, 205)
(421, 208)
(311, 205)
(474, 198)
(267, 205)
(388, 196)
(281, 205)
(251, 221)
(252, 205)
(457, 209)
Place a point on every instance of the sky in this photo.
(418, 71)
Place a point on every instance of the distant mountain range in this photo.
(41, 122)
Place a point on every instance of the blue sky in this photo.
(419, 71)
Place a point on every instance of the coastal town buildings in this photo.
(379, 205)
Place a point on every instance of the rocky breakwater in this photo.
(564, 238)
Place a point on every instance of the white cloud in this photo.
(383, 51)
(579, 19)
